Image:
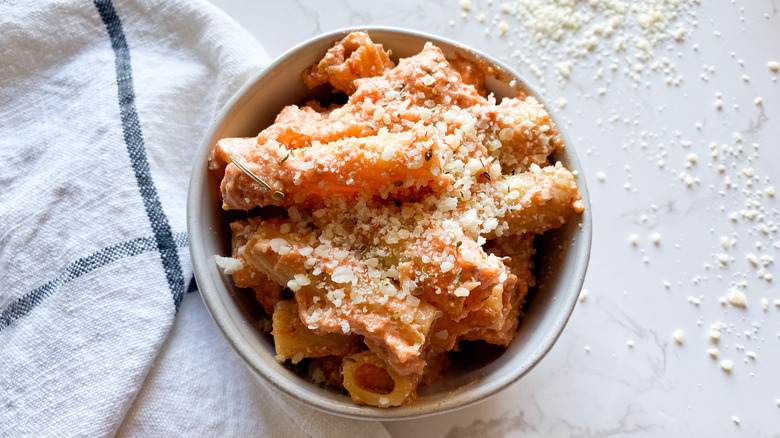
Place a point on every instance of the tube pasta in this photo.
(322, 126)
(517, 252)
(220, 156)
(293, 340)
(336, 299)
(344, 167)
(496, 321)
(369, 109)
(461, 285)
(521, 134)
(356, 56)
(540, 200)
(267, 292)
(369, 381)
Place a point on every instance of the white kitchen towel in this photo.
(102, 105)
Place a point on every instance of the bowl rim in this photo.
(211, 295)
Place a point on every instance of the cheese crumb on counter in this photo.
(736, 298)
(679, 336)
(714, 335)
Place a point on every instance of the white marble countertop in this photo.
(646, 148)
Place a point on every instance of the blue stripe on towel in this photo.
(84, 265)
(193, 287)
(135, 147)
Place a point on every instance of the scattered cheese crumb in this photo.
(679, 336)
(713, 352)
(774, 66)
(601, 176)
(564, 69)
(634, 239)
(735, 419)
(583, 295)
(714, 335)
(736, 298)
(726, 365)
(656, 237)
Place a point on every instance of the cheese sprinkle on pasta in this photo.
(408, 215)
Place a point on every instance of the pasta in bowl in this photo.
(384, 212)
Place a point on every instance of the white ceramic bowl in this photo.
(561, 264)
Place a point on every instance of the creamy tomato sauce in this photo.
(408, 215)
